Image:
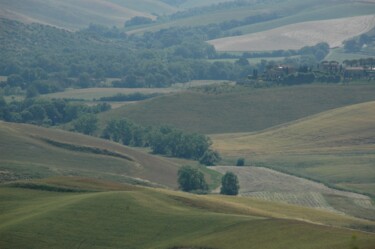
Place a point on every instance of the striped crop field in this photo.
(270, 185)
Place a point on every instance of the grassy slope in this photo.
(25, 155)
(77, 14)
(146, 218)
(291, 12)
(242, 109)
(336, 147)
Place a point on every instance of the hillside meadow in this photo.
(211, 110)
(134, 217)
(335, 147)
(29, 152)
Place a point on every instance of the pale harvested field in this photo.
(271, 185)
(296, 36)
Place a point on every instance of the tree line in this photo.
(46, 112)
(162, 140)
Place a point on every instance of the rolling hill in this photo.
(72, 14)
(151, 218)
(336, 147)
(241, 109)
(296, 36)
(288, 12)
(29, 152)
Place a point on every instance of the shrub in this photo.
(240, 162)
(229, 184)
(210, 158)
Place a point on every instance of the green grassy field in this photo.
(241, 109)
(335, 147)
(151, 218)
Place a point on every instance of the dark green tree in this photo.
(229, 184)
(210, 158)
(240, 162)
(86, 124)
(190, 179)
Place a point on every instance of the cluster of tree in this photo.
(357, 43)
(298, 78)
(45, 111)
(319, 51)
(162, 140)
(138, 20)
(86, 124)
(363, 62)
(192, 180)
(212, 8)
(82, 59)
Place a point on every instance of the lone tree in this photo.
(86, 124)
(210, 158)
(229, 184)
(190, 179)
(240, 162)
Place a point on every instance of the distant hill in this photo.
(241, 109)
(34, 152)
(73, 14)
(296, 36)
(336, 147)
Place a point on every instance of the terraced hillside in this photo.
(241, 109)
(149, 218)
(33, 152)
(336, 147)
